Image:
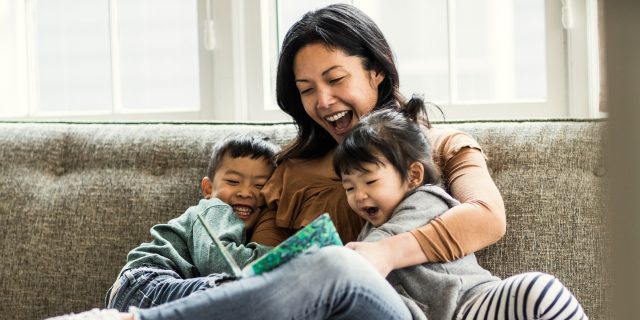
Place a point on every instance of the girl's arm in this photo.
(475, 224)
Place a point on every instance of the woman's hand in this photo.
(377, 253)
(395, 252)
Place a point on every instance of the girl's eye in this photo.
(372, 181)
(349, 189)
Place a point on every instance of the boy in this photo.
(182, 259)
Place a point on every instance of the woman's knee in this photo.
(343, 263)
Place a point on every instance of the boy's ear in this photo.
(416, 174)
(207, 187)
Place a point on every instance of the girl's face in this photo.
(336, 90)
(375, 193)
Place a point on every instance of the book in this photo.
(319, 233)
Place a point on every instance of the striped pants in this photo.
(532, 295)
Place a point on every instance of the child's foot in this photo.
(95, 314)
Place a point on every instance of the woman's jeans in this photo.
(331, 283)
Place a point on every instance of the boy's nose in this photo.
(245, 193)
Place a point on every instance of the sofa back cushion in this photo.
(75, 198)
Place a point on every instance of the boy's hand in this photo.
(377, 253)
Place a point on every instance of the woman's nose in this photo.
(325, 98)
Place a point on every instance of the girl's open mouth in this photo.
(371, 211)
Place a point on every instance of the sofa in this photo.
(76, 197)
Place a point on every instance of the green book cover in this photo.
(319, 233)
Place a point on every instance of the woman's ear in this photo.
(207, 188)
(416, 174)
(376, 77)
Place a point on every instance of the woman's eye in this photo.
(335, 80)
(306, 91)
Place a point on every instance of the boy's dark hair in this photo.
(396, 136)
(252, 145)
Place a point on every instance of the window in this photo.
(103, 58)
(216, 59)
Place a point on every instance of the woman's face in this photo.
(336, 90)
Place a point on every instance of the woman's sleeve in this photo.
(479, 220)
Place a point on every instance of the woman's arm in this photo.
(475, 224)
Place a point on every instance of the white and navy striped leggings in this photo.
(532, 295)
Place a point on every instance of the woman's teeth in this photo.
(336, 116)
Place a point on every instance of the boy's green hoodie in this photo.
(184, 246)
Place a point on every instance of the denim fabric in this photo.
(149, 287)
(331, 283)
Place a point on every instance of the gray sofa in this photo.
(75, 198)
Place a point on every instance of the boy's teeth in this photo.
(242, 210)
(337, 116)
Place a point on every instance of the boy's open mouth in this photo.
(340, 120)
(242, 211)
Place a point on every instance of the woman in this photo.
(336, 66)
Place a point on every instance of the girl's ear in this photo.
(416, 174)
(207, 188)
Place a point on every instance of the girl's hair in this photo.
(346, 28)
(390, 134)
(253, 145)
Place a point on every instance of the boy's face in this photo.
(375, 193)
(238, 182)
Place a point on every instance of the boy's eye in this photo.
(231, 182)
(372, 181)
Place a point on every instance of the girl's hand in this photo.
(377, 253)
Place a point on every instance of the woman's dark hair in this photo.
(343, 27)
(252, 145)
(396, 136)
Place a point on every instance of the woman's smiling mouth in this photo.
(340, 121)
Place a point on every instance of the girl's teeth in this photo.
(336, 116)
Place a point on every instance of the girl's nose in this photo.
(361, 195)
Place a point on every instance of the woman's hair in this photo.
(387, 133)
(343, 27)
(253, 145)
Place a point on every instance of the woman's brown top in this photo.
(300, 190)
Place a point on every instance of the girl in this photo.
(391, 182)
